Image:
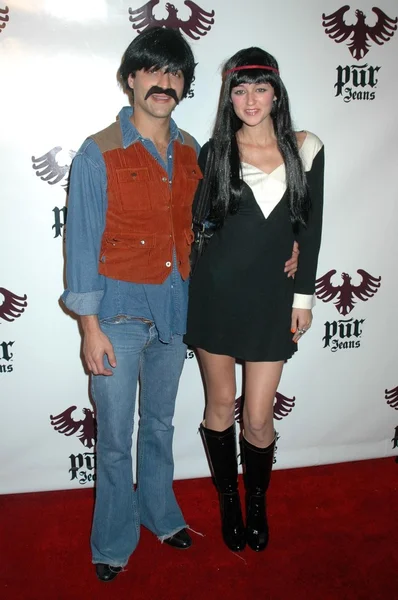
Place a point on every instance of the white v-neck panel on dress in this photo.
(268, 190)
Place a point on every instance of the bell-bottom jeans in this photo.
(119, 508)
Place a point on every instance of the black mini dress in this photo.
(240, 299)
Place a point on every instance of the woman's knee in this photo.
(222, 402)
(258, 426)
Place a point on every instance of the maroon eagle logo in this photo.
(283, 406)
(198, 24)
(360, 33)
(85, 429)
(392, 397)
(346, 293)
(53, 167)
(4, 18)
(11, 305)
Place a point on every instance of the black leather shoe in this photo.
(107, 572)
(181, 540)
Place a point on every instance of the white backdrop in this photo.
(58, 84)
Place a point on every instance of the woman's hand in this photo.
(301, 322)
(292, 264)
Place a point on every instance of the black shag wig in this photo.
(158, 47)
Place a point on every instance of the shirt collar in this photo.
(130, 134)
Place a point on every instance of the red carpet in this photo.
(333, 537)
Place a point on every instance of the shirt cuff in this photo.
(86, 303)
(303, 301)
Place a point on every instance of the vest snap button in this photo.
(142, 242)
(164, 178)
(168, 264)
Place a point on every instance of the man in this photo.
(128, 242)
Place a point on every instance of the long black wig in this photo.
(226, 181)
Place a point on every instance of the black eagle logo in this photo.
(283, 406)
(360, 33)
(49, 169)
(392, 397)
(85, 429)
(198, 24)
(12, 306)
(4, 19)
(345, 293)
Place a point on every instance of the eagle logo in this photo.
(85, 429)
(392, 397)
(360, 33)
(346, 293)
(4, 19)
(198, 24)
(11, 306)
(54, 167)
(283, 406)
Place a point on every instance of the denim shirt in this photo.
(88, 292)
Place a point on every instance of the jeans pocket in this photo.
(115, 320)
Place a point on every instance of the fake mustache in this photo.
(158, 90)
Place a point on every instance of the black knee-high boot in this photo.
(257, 474)
(220, 447)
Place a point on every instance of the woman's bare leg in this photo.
(219, 375)
(261, 382)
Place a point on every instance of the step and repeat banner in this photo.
(338, 398)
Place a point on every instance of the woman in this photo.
(266, 192)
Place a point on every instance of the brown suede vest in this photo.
(147, 215)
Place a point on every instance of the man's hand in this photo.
(95, 345)
(301, 322)
(292, 263)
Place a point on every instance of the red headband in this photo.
(251, 67)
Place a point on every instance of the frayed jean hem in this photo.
(169, 535)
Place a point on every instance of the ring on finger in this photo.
(301, 331)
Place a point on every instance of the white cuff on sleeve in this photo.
(303, 301)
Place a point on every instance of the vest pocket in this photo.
(134, 189)
(123, 240)
(123, 254)
(193, 172)
(193, 175)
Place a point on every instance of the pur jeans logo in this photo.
(358, 81)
